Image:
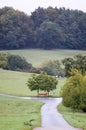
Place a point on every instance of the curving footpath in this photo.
(50, 117)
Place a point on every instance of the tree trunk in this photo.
(38, 92)
(48, 94)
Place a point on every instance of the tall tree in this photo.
(49, 35)
(16, 29)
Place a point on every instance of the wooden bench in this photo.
(43, 94)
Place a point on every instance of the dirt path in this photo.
(51, 119)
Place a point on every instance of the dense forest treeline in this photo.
(45, 28)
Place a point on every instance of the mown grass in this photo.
(74, 118)
(15, 114)
(37, 56)
(14, 83)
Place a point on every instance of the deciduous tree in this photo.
(42, 82)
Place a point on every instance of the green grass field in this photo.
(14, 83)
(15, 114)
(37, 57)
(76, 119)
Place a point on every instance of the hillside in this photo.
(48, 28)
(36, 56)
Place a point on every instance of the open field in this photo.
(15, 114)
(37, 57)
(74, 118)
(14, 83)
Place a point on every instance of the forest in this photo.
(45, 28)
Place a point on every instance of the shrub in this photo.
(74, 92)
(18, 63)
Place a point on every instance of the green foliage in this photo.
(18, 63)
(69, 64)
(74, 92)
(45, 28)
(52, 67)
(3, 60)
(77, 62)
(80, 63)
(49, 36)
(42, 82)
(15, 29)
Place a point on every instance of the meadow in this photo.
(14, 83)
(36, 56)
(16, 114)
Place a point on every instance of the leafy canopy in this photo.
(42, 82)
(74, 91)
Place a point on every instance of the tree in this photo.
(74, 92)
(49, 35)
(77, 62)
(16, 29)
(17, 63)
(44, 28)
(42, 82)
(52, 67)
(80, 63)
(69, 64)
(3, 60)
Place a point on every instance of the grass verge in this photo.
(74, 118)
(16, 114)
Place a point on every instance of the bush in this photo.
(52, 67)
(74, 92)
(18, 63)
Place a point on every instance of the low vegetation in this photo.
(74, 92)
(19, 114)
(52, 67)
(15, 63)
(75, 118)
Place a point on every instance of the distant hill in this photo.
(48, 28)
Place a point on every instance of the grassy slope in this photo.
(14, 112)
(14, 83)
(36, 57)
(76, 119)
